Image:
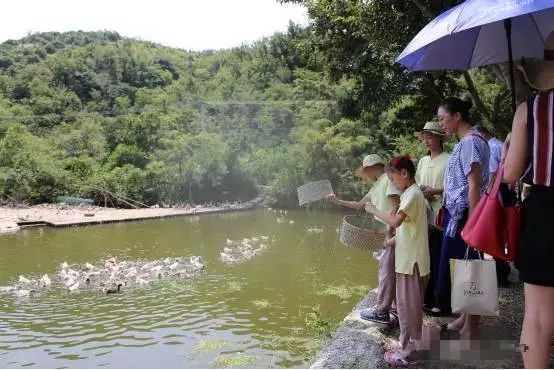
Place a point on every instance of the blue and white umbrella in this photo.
(479, 33)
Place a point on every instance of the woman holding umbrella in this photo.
(531, 155)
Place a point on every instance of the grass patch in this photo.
(306, 347)
(307, 341)
(261, 303)
(234, 360)
(207, 345)
(345, 291)
(318, 325)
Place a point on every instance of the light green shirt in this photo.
(430, 172)
(411, 237)
(380, 193)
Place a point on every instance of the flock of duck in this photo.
(109, 277)
(237, 251)
(112, 276)
(281, 219)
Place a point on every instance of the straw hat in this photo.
(431, 127)
(540, 73)
(369, 161)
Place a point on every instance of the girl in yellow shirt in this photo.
(412, 263)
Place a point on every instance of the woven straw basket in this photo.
(361, 232)
(313, 191)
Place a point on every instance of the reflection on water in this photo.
(246, 315)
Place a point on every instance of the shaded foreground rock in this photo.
(361, 344)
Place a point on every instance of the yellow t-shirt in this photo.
(411, 237)
(430, 172)
(380, 193)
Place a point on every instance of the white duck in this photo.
(132, 272)
(45, 281)
(156, 268)
(141, 281)
(110, 263)
(70, 281)
(24, 292)
(226, 258)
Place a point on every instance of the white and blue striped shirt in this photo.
(472, 148)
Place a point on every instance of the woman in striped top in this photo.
(530, 155)
(465, 180)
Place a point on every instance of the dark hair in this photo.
(442, 147)
(402, 163)
(482, 129)
(441, 143)
(457, 105)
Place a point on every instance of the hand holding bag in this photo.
(475, 289)
(492, 228)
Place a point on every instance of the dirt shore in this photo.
(13, 218)
(360, 344)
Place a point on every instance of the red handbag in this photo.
(439, 220)
(492, 228)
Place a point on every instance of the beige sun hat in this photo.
(369, 161)
(433, 128)
(540, 73)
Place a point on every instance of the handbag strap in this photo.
(466, 257)
(494, 185)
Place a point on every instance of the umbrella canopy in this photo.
(473, 34)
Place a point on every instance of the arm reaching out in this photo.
(393, 220)
(332, 198)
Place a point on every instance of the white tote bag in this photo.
(475, 289)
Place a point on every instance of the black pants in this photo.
(502, 272)
(432, 299)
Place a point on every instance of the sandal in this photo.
(450, 327)
(395, 359)
(436, 312)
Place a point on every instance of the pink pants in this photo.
(386, 290)
(410, 292)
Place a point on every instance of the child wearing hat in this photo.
(386, 198)
(412, 263)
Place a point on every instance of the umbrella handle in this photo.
(508, 28)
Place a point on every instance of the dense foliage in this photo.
(94, 114)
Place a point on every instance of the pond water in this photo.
(251, 314)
